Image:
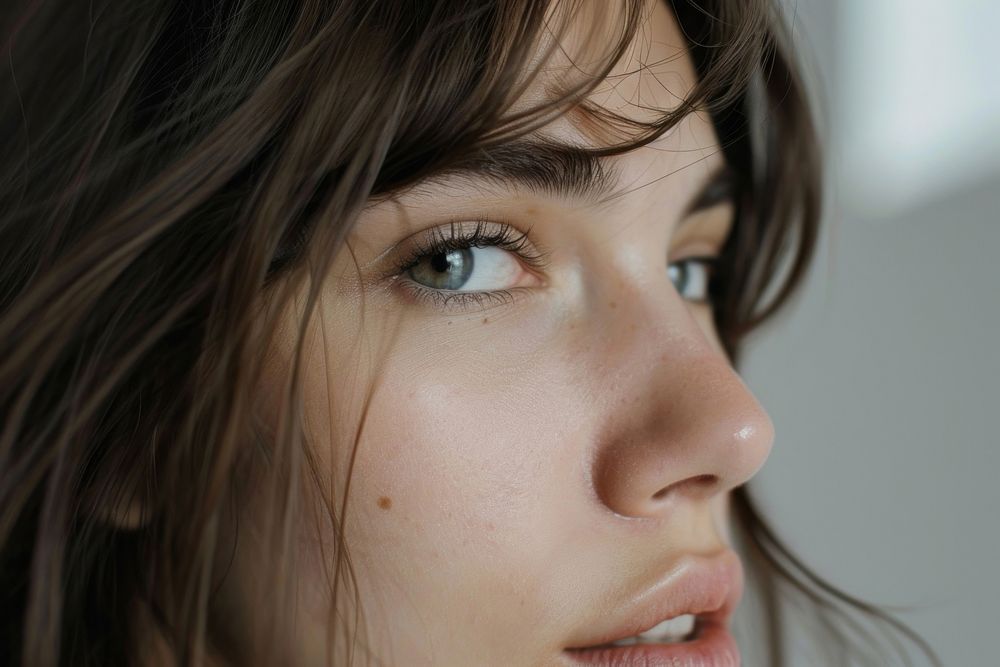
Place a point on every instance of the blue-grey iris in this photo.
(678, 274)
(444, 270)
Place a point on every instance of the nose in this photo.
(679, 423)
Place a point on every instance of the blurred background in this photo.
(882, 378)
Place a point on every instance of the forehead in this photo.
(652, 77)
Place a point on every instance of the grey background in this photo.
(882, 382)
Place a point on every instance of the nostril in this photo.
(696, 485)
(702, 481)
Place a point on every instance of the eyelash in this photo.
(488, 234)
(453, 237)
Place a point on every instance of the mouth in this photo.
(682, 621)
(671, 631)
(708, 644)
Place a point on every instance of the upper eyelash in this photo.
(489, 234)
(453, 236)
(485, 234)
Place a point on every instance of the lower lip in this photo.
(713, 647)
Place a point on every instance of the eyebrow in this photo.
(720, 187)
(541, 167)
(564, 170)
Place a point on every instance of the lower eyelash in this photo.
(458, 300)
(505, 236)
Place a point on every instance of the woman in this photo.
(396, 333)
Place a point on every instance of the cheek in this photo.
(465, 458)
(462, 426)
(706, 323)
(458, 445)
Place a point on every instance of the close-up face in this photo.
(381, 332)
(514, 367)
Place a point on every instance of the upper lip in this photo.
(710, 587)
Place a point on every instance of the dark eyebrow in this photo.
(542, 167)
(719, 188)
(563, 170)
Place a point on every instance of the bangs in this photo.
(531, 75)
(470, 79)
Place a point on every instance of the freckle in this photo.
(612, 304)
(486, 320)
(385, 502)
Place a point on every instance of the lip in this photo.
(708, 587)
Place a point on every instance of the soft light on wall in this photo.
(916, 103)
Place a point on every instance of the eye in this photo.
(691, 277)
(471, 269)
(468, 265)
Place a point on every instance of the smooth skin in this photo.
(527, 468)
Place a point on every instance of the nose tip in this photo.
(701, 433)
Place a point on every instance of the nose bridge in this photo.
(678, 421)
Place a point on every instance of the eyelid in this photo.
(461, 233)
(697, 251)
(703, 233)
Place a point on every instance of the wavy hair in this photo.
(174, 167)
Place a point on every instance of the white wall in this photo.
(883, 378)
(917, 99)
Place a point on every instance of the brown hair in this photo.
(169, 164)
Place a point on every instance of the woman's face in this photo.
(547, 427)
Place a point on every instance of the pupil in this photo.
(444, 270)
(441, 262)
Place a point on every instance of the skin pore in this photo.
(532, 461)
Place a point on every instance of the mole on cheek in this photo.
(385, 502)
